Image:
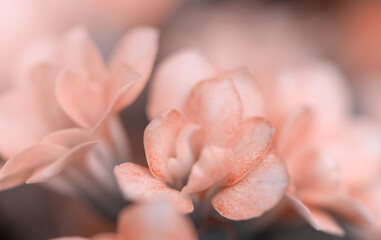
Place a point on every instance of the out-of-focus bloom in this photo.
(24, 23)
(205, 143)
(157, 220)
(53, 119)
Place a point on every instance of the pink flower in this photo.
(308, 103)
(357, 148)
(25, 23)
(313, 113)
(67, 105)
(206, 145)
(156, 220)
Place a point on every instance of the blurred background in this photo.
(229, 32)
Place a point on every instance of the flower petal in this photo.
(214, 164)
(21, 121)
(360, 166)
(216, 106)
(114, 103)
(251, 144)
(180, 167)
(159, 141)
(77, 153)
(260, 190)
(175, 78)
(43, 80)
(314, 171)
(138, 50)
(294, 130)
(343, 206)
(315, 84)
(13, 181)
(31, 158)
(67, 137)
(319, 220)
(78, 52)
(136, 183)
(83, 101)
(248, 91)
(157, 220)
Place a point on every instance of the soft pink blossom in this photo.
(71, 102)
(304, 97)
(308, 103)
(204, 144)
(25, 23)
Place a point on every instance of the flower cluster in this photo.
(239, 128)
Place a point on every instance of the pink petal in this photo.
(67, 137)
(159, 141)
(175, 78)
(137, 183)
(117, 101)
(314, 171)
(248, 91)
(77, 153)
(317, 85)
(360, 166)
(295, 130)
(180, 167)
(13, 181)
(318, 219)
(31, 158)
(82, 100)
(154, 221)
(216, 106)
(214, 164)
(43, 80)
(138, 50)
(78, 52)
(251, 144)
(260, 190)
(346, 207)
(127, 85)
(22, 122)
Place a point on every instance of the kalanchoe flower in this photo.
(206, 147)
(67, 106)
(153, 220)
(308, 140)
(305, 100)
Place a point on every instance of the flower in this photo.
(70, 103)
(306, 101)
(27, 23)
(154, 220)
(314, 111)
(206, 145)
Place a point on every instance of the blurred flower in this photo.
(67, 105)
(25, 23)
(154, 220)
(205, 144)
